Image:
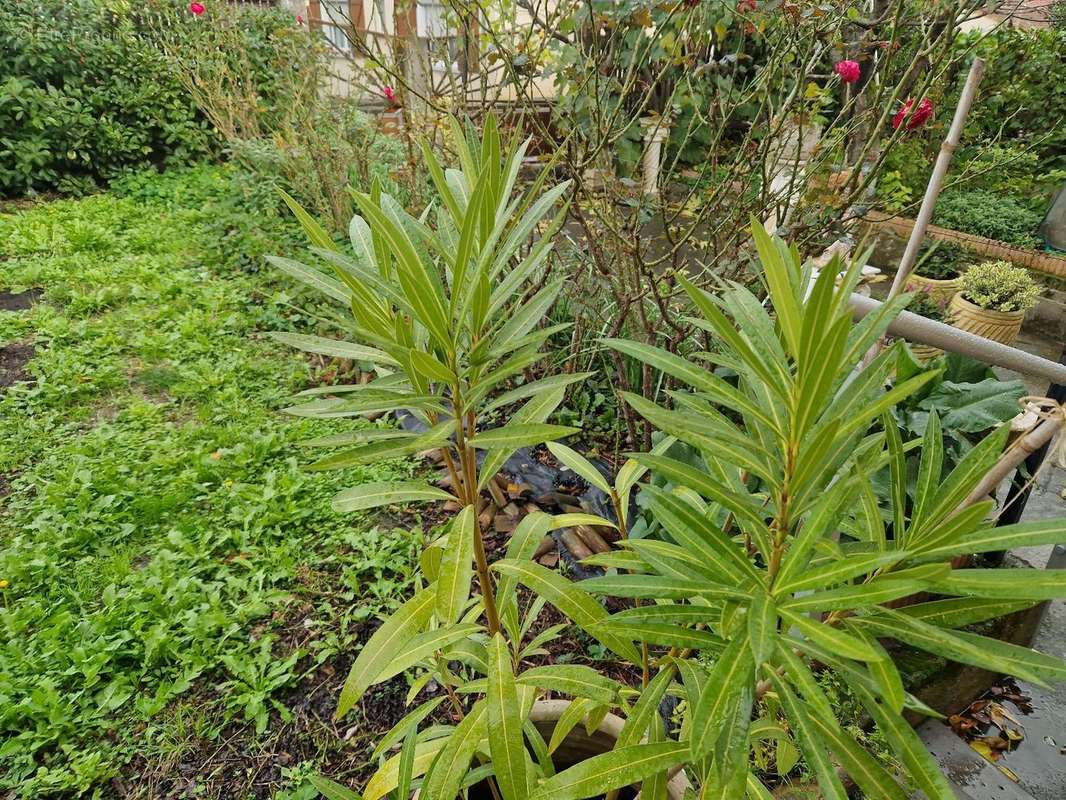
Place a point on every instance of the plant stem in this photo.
(623, 530)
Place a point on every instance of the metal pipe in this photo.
(916, 328)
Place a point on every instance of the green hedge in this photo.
(86, 93)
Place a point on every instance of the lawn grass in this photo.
(171, 570)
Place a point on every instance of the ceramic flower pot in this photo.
(999, 326)
(924, 352)
(941, 291)
(579, 745)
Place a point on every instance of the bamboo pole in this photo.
(936, 180)
(1014, 455)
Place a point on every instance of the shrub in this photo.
(85, 99)
(941, 261)
(1023, 93)
(988, 214)
(90, 93)
(1000, 286)
(925, 304)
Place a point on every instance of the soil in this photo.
(10, 301)
(13, 360)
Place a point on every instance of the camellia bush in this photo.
(777, 556)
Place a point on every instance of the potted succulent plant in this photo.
(992, 300)
(779, 556)
(938, 271)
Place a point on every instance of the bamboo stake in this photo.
(936, 180)
(932, 190)
(1012, 457)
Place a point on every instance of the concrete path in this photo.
(1040, 760)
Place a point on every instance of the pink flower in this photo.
(747, 6)
(196, 9)
(922, 114)
(299, 19)
(390, 95)
(848, 71)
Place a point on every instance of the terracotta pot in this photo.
(999, 326)
(941, 291)
(578, 745)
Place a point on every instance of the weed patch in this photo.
(172, 571)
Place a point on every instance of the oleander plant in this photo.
(776, 559)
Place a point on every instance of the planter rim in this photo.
(973, 307)
(940, 283)
(611, 726)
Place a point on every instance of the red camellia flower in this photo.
(390, 95)
(848, 71)
(747, 6)
(922, 114)
(196, 9)
(300, 19)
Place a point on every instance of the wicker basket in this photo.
(940, 291)
(999, 326)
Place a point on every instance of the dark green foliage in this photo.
(941, 261)
(88, 95)
(84, 98)
(1023, 92)
(986, 213)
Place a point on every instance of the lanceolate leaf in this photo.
(611, 770)
(386, 778)
(655, 586)
(396, 632)
(1009, 584)
(646, 708)
(579, 464)
(453, 760)
(837, 641)
(762, 626)
(505, 723)
(409, 720)
(810, 741)
(573, 679)
(568, 598)
(733, 672)
(456, 567)
(960, 611)
(372, 495)
(514, 436)
(424, 645)
(332, 790)
(333, 347)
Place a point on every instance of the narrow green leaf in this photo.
(579, 464)
(762, 626)
(658, 587)
(424, 645)
(373, 495)
(1009, 584)
(314, 278)
(837, 641)
(505, 723)
(612, 770)
(810, 741)
(839, 571)
(409, 720)
(453, 761)
(582, 609)
(573, 679)
(960, 611)
(315, 232)
(456, 567)
(514, 436)
(332, 790)
(396, 632)
(646, 709)
(733, 671)
(332, 347)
